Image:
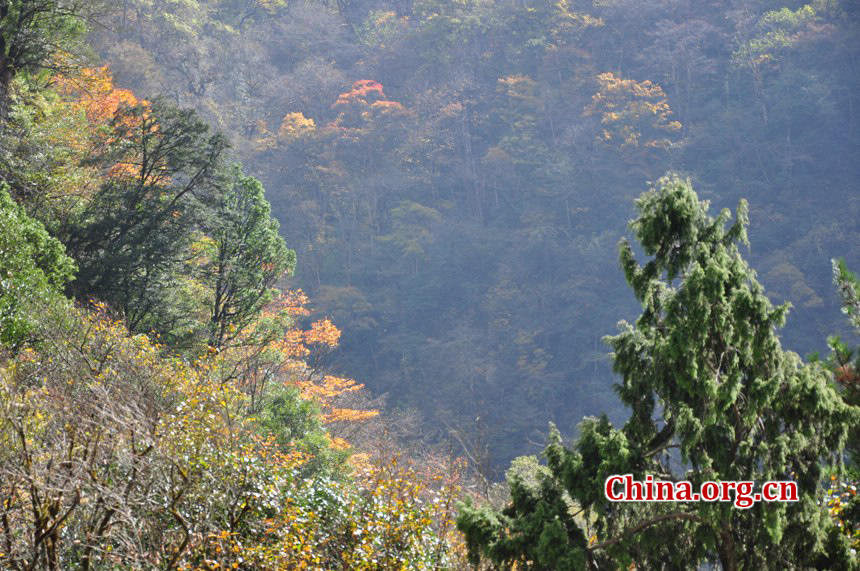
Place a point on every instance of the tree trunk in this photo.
(6, 76)
(726, 549)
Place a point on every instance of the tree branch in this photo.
(644, 525)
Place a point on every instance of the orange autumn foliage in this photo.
(286, 357)
(323, 332)
(336, 414)
(94, 91)
(364, 90)
(386, 105)
(364, 102)
(326, 392)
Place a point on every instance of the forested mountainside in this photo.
(165, 401)
(292, 285)
(455, 176)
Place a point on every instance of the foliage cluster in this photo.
(113, 455)
(177, 411)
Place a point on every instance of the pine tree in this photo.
(713, 396)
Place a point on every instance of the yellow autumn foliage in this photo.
(295, 125)
(633, 114)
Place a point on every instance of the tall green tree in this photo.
(133, 238)
(248, 256)
(713, 396)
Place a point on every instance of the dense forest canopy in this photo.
(281, 282)
(454, 176)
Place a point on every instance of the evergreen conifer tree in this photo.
(713, 396)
